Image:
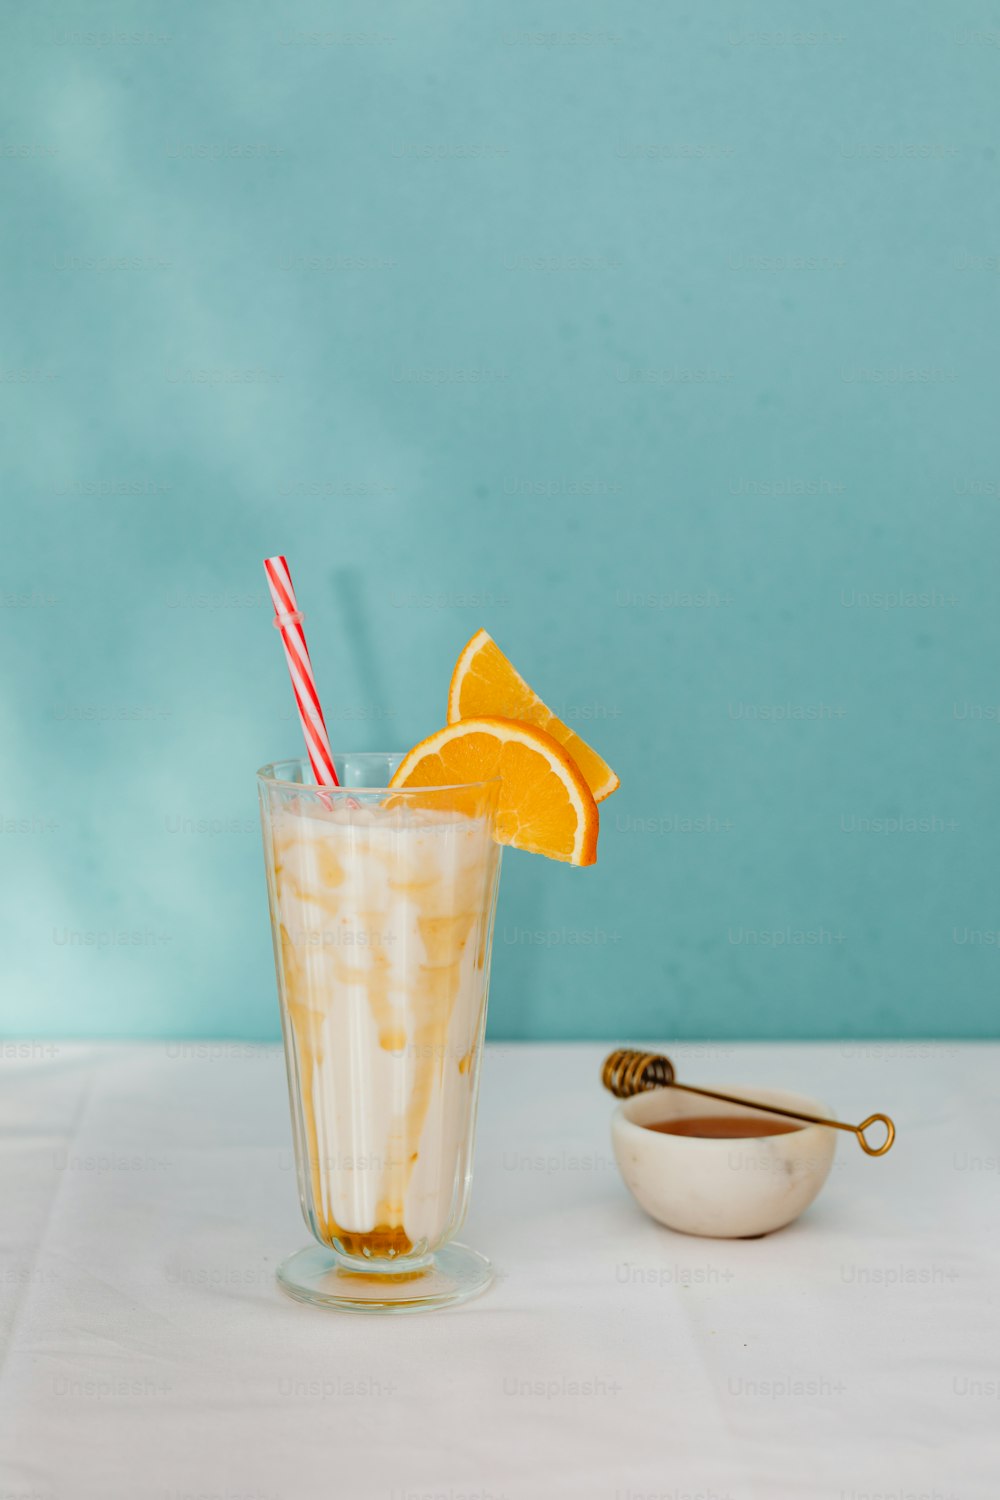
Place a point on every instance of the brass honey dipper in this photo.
(626, 1072)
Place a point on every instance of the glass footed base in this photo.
(453, 1274)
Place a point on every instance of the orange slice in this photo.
(484, 682)
(545, 805)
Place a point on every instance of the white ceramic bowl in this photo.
(728, 1189)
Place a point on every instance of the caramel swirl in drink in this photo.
(383, 917)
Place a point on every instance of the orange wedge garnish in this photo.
(484, 682)
(545, 805)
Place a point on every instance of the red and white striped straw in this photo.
(288, 620)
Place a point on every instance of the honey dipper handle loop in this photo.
(890, 1134)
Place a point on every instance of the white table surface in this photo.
(148, 1192)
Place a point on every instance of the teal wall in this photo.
(665, 347)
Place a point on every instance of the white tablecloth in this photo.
(148, 1192)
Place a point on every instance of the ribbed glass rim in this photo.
(270, 776)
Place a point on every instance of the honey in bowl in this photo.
(723, 1127)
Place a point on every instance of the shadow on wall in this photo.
(367, 724)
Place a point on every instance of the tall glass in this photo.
(382, 906)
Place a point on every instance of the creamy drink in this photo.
(382, 908)
(382, 875)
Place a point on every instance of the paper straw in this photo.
(288, 620)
